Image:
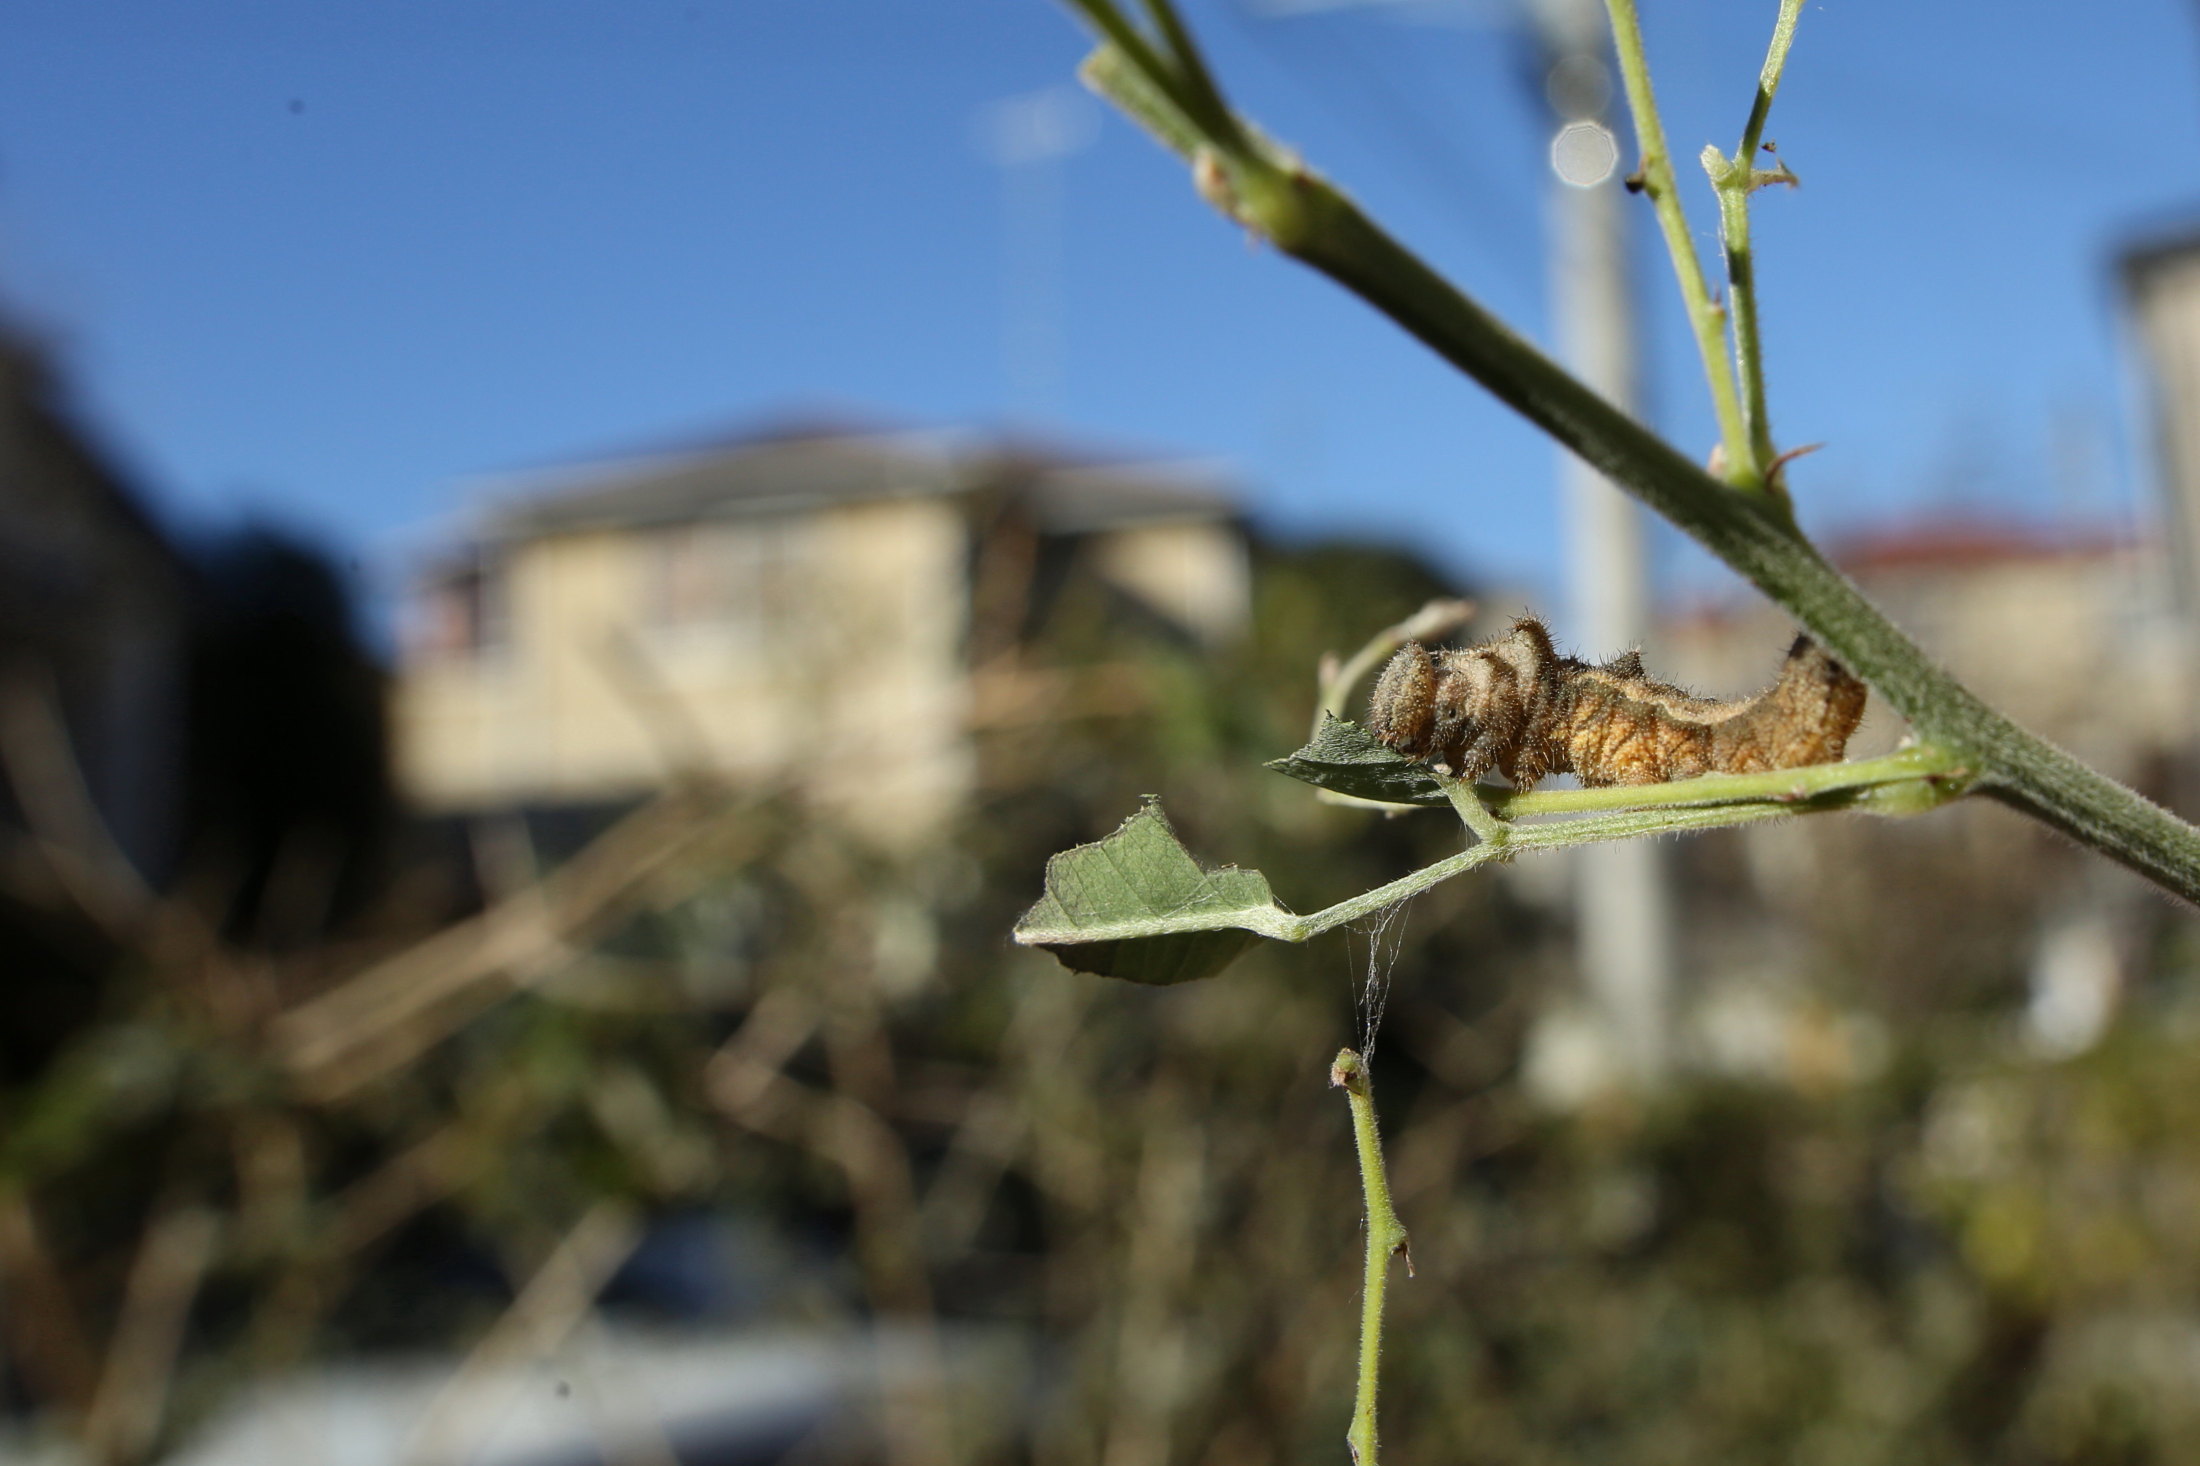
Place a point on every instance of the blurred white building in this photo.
(822, 608)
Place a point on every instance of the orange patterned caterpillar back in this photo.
(1515, 705)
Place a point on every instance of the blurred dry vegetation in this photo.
(1107, 1226)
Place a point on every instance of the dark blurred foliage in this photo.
(277, 765)
(287, 761)
(742, 1025)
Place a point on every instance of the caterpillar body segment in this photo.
(1516, 705)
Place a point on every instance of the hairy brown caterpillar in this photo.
(1515, 705)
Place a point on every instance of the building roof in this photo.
(1965, 542)
(803, 470)
(2158, 247)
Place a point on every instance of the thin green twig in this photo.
(1919, 761)
(1905, 797)
(1136, 51)
(1705, 317)
(1386, 1238)
(1768, 80)
(1741, 284)
(1735, 180)
(1908, 796)
(1202, 98)
(1943, 767)
(1118, 77)
(1466, 802)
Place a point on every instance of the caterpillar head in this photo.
(1402, 713)
(1461, 709)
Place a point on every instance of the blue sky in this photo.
(323, 261)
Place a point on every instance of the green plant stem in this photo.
(1588, 830)
(1919, 761)
(1749, 360)
(1906, 796)
(1201, 97)
(1768, 80)
(1147, 67)
(1386, 1238)
(1755, 534)
(1735, 183)
(1659, 185)
(1466, 802)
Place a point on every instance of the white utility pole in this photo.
(1029, 137)
(1623, 896)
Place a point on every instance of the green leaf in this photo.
(1137, 906)
(1345, 757)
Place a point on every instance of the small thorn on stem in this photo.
(1778, 474)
